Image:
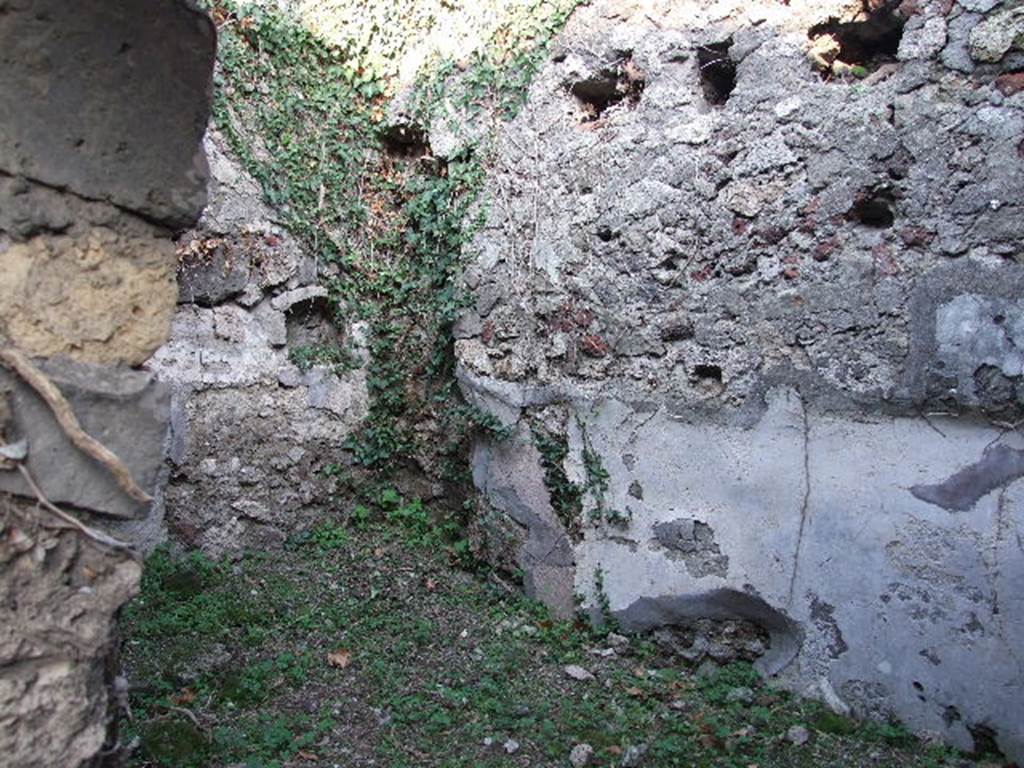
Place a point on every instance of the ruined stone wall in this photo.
(100, 160)
(748, 297)
(253, 426)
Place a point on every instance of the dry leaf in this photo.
(634, 691)
(184, 696)
(311, 756)
(341, 658)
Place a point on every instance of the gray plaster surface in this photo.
(786, 322)
(897, 604)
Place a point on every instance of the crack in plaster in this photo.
(804, 506)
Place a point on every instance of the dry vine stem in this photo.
(89, 445)
(98, 536)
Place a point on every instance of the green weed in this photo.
(566, 496)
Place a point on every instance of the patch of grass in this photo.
(716, 688)
(329, 535)
(440, 668)
(268, 741)
(176, 743)
(827, 721)
(182, 597)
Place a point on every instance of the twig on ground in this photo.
(502, 583)
(171, 709)
(187, 713)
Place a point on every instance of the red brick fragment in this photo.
(702, 274)
(914, 237)
(1010, 83)
(773, 235)
(885, 262)
(593, 345)
(909, 8)
(824, 250)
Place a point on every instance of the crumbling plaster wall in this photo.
(104, 108)
(785, 320)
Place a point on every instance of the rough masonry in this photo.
(100, 162)
(758, 267)
(256, 419)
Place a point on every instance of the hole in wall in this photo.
(899, 164)
(874, 208)
(858, 47)
(405, 142)
(951, 715)
(708, 372)
(998, 394)
(310, 323)
(721, 641)
(784, 635)
(717, 71)
(621, 83)
(708, 379)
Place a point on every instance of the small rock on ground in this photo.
(633, 756)
(580, 755)
(706, 669)
(798, 735)
(511, 746)
(681, 705)
(578, 673)
(616, 640)
(741, 695)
